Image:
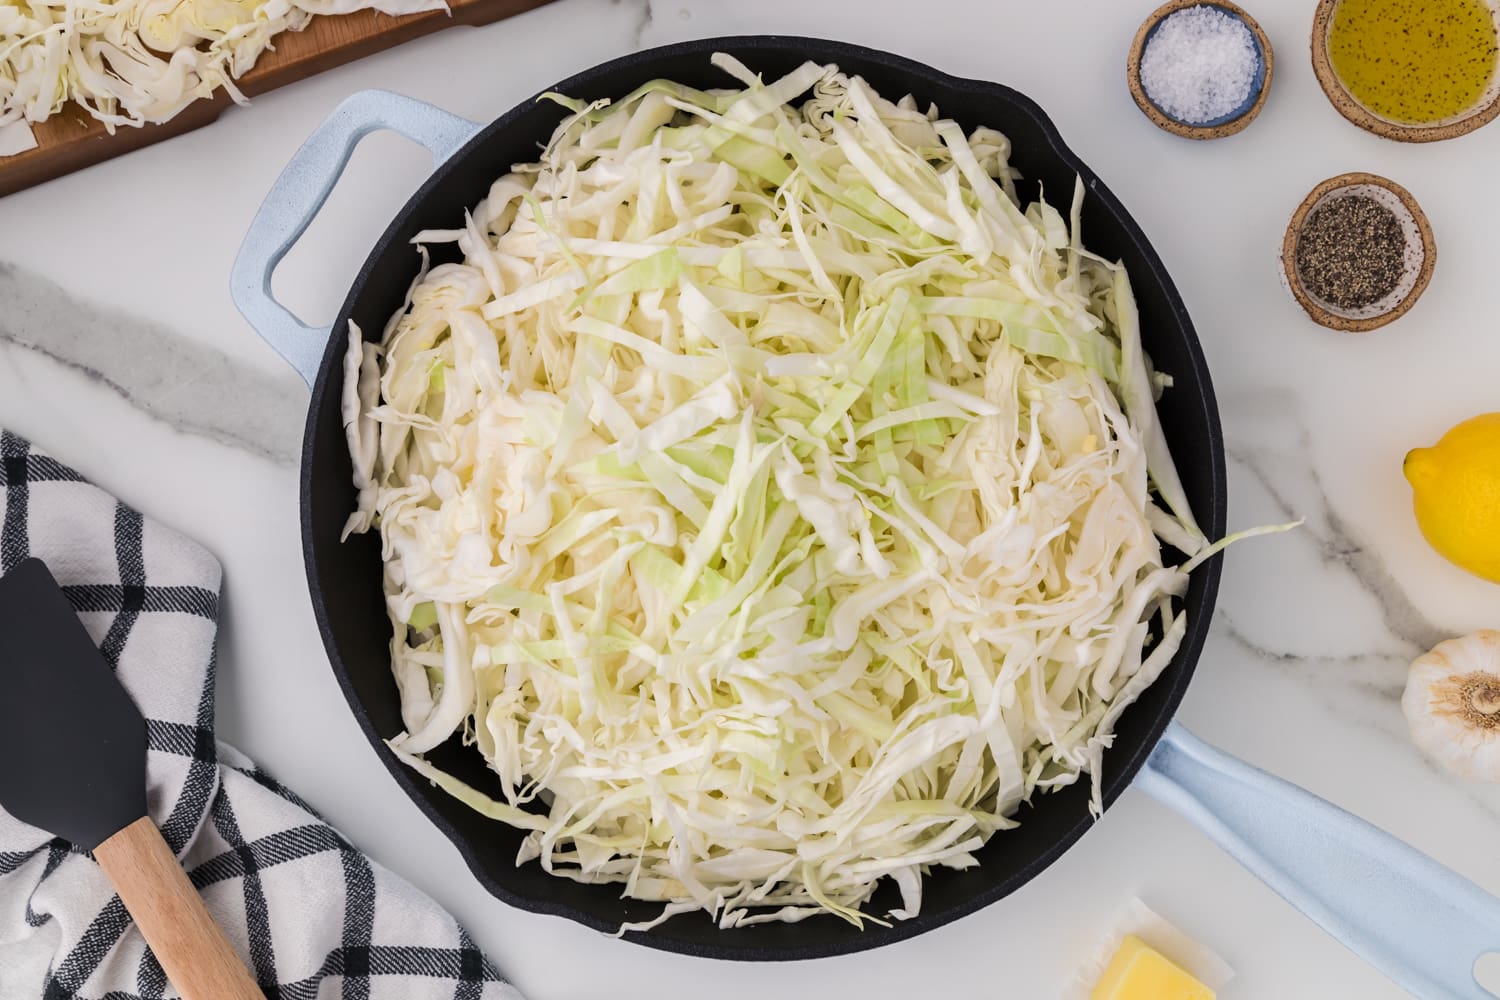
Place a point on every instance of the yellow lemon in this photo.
(1456, 494)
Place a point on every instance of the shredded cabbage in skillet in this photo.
(773, 500)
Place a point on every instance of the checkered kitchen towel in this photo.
(312, 916)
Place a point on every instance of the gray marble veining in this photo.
(173, 379)
(644, 16)
(1359, 683)
(1376, 681)
(1280, 466)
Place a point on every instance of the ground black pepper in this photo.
(1351, 252)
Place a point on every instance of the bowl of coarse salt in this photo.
(1200, 70)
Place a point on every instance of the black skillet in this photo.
(1418, 922)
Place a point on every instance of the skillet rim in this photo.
(1125, 760)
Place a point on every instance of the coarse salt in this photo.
(1199, 64)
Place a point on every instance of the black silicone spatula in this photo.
(73, 762)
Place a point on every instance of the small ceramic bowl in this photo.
(1421, 253)
(1216, 128)
(1483, 111)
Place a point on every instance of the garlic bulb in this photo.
(1452, 703)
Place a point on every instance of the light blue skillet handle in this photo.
(298, 195)
(1418, 922)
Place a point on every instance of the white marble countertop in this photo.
(121, 352)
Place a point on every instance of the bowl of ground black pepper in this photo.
(1410, 70)
(1358, 253)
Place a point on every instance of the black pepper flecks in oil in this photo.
(1351, 252)
(1414, 61)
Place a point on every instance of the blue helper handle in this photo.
(299, 194)
(1420, 923)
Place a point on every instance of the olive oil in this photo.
(1414, 62)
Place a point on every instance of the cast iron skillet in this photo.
(1262, 820)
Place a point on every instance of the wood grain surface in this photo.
(71, 140)
(191, 948)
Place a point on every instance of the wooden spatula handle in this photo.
(191, 948)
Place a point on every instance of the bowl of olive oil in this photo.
(1410, 70)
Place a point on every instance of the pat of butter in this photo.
(1140, 972)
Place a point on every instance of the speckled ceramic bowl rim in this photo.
(1484, 112)
(1219, 128)
(1325, 317)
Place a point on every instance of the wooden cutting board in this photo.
(71, 140)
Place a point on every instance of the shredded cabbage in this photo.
(772, 499)
(133, 62)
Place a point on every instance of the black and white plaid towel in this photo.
(312, 917)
